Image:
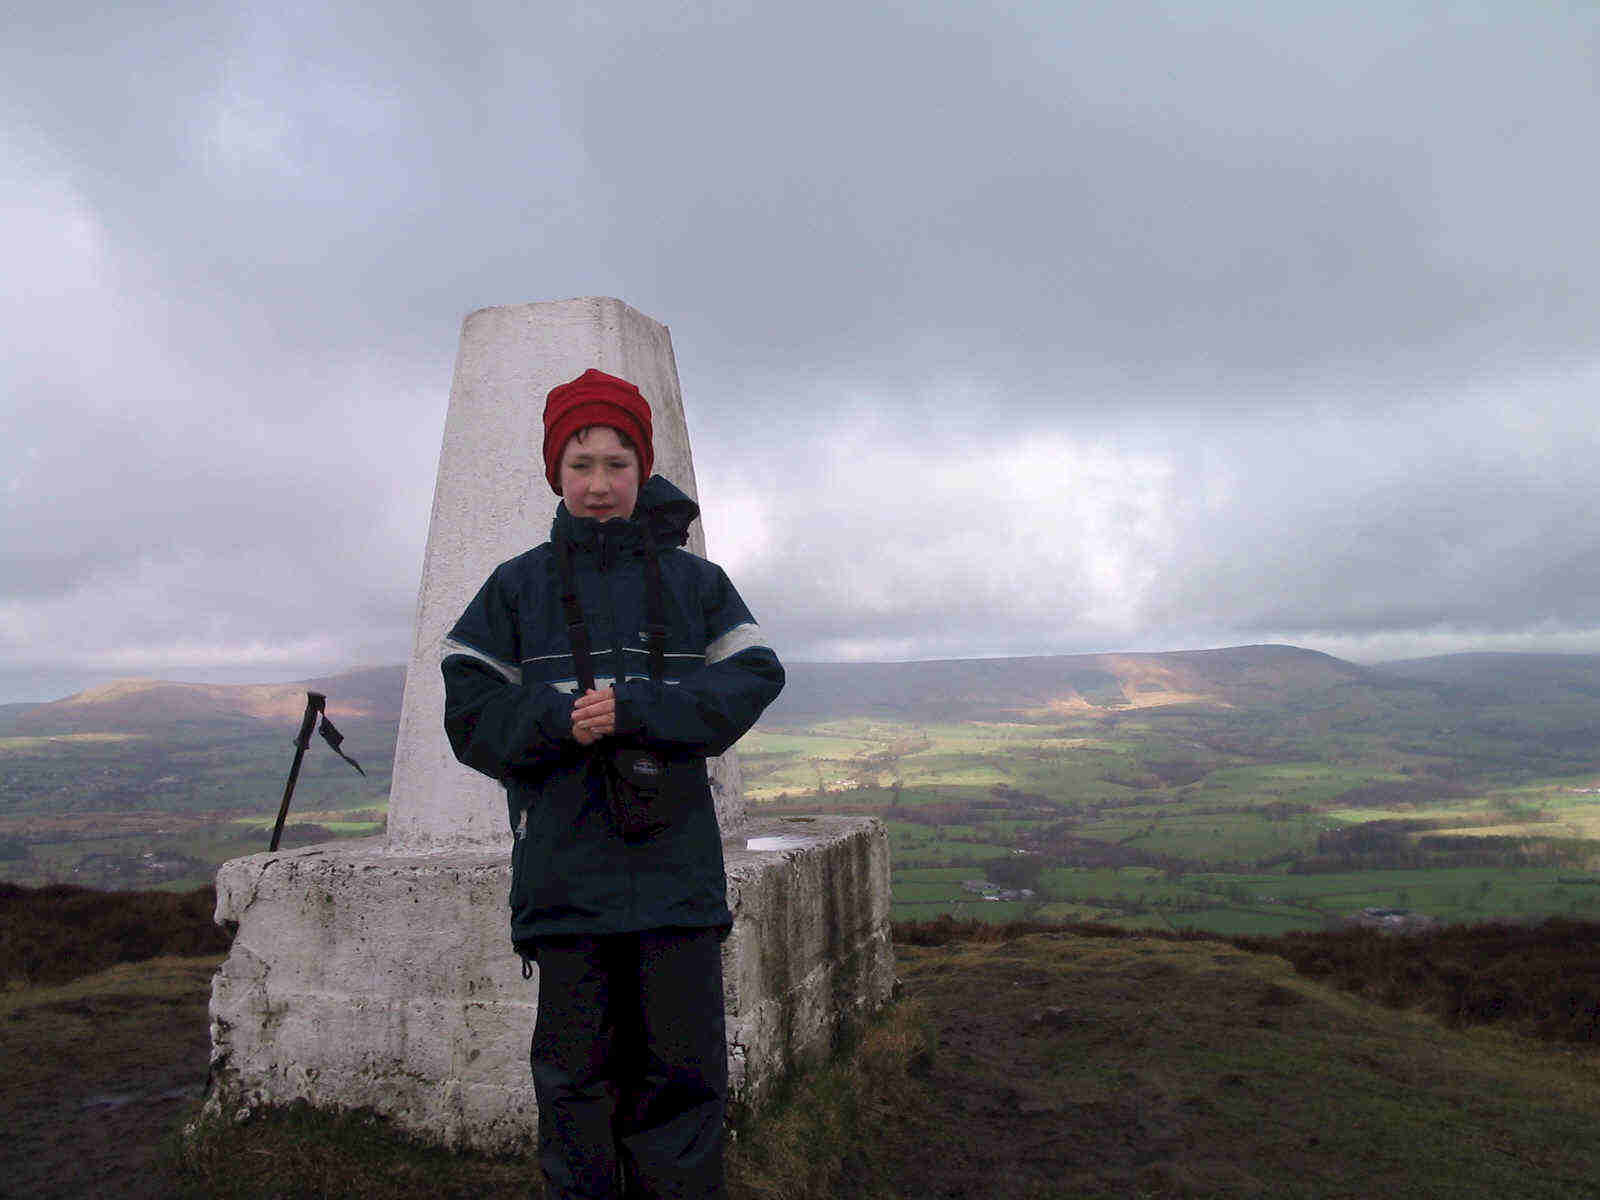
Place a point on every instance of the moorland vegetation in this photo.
(1035, 1060)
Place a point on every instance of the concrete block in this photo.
(810, 957)
(363, 978)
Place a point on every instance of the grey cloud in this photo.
(1473, 517)
(986, 196)
(1305, 223)
(1420, 520)
(1326, 278)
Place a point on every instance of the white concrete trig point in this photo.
(378, 973)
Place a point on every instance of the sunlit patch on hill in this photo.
(66, 739)
(109, 693)
(1067, 704)
(1148, 682)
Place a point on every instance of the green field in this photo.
(110, 810)
(1298, 793)
(1157, 822)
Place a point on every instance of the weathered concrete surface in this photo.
(364, 979)
(378, 973)
(810, 957)
(369, 979)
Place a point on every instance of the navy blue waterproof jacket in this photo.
(509, 689)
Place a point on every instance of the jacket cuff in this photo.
(628, 721)
(555, 722)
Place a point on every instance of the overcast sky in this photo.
(1002, 329)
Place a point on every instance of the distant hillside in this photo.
(143, 746)
(1236, 677)
(10, 712)
(1142, 728)
(1507, 678)
(152, 705)
(1241, 677)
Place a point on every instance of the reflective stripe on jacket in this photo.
(509, 685)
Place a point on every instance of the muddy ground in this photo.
(96, 1074)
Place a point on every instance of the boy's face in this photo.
(599, 475)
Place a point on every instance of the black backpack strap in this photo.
(577, 630)
(655, 608)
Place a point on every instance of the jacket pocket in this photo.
(519, 868)
(530, 856)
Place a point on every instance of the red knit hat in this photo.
(595, 398)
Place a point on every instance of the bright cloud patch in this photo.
(910, 546)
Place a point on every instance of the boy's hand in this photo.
(594, 715)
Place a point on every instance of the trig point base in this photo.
(378, 973)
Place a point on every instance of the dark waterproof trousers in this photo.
(630, 1065)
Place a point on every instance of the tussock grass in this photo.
(302, 1153)
(815, 1141)
(1023, 1061)
(58, 932)
(1540, 980)
(945, 930)
(1093, 1063)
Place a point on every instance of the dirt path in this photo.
(95, 1073)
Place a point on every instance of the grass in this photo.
(813, 1141)
(1227, 837)
(299, 1151)
(1021, 1062)
(56, 933)
(1190, 794)
(35, 743)
(1073, 1064)
(933, 874)
(1093, 1066)
(95, 1072)
(1234, 920)
(1541, 980)
(816, 1140)
(921, 889)
(1307, 783)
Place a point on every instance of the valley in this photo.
(1246, 790)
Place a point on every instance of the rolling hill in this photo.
(152, 706)
(1235, 677)
(1506, 678)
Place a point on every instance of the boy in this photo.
(617, 885)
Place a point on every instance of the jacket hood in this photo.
(660, 505)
